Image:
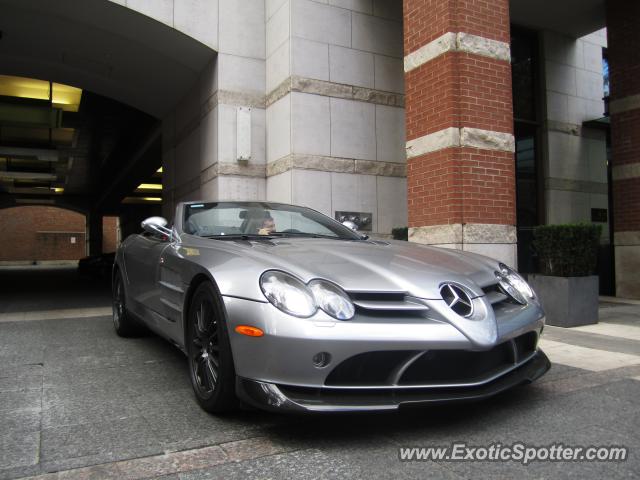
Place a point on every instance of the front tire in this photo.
(124, 325)
(209, 351)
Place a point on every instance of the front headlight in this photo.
(288, 294)
(332, 299)
(514, 284)
(292, 296)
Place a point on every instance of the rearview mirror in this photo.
(156, 225)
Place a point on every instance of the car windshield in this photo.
(233, 219)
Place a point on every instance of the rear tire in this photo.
(123, 323)
(209, 352)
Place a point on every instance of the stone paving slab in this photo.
(93, 405)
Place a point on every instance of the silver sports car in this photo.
(286, 309)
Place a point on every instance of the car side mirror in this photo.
(351, 225)
(156, 225)
(354, 227)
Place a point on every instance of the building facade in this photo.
(469, 121)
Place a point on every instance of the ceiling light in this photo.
(149, 186)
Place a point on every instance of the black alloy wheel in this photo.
(210, 360)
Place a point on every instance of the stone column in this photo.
(623, 18)
(460, 144)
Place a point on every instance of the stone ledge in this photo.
(238, 169)
(629, 238)
(460, 137)
(487, 139)
(334, 90)
(461, 234)
(626, 171)
(336, 165)
(570, 185)
(625, 104)
(457, 42)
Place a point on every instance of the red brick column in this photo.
(460, 164)
(623, 20)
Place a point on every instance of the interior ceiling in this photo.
(103, 47)
(575, 18)
(71, 144)
(83, 85)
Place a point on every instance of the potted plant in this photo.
(567, 286)
(400, 233)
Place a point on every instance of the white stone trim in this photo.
(457, 42)
(461, 234)
(449, 137)
(486, 47)
(314, 86)
(628, 238)
(487, 139)
(572, 185)
(435, 48)
(437, 234)
(625, 172)
(621, 105)
(325, 163)
(460, 137)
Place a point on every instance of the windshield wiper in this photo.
(239, 236)
(308, 235)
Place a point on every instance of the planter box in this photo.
(567, 301)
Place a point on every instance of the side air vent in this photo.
(497, 296)
(387, 303)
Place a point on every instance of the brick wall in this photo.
(459, 184)
(109, 234)
(624, 62)
(426, 20)
(36, 233)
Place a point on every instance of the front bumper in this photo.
(285, 398)
(284, 355)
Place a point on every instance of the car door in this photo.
(142, 258)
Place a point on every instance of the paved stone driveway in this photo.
(75, 398)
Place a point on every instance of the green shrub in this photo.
(400, 233)
(569, 250)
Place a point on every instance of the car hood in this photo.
(369, 266)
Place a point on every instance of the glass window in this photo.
(228, 219)
(523, 63)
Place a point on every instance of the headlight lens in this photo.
(514, 284)
(332, 299)
(292, 296)
(288, 294)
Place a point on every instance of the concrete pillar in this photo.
(94, 233)
(623, 18)
(459, 119)
(335, 109)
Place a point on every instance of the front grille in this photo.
(432, 367)
(451, 366)
(371, 368)
(407, 396)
